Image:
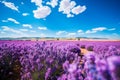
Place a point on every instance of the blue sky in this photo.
(60, 18)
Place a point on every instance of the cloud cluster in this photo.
(94, 30)
(14, 32)
(69, 8)
(6, 28)
(13, 7)
(98, 29)
(10, 5)
(11, 20)
(81, 32)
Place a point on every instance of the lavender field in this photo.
(59, 60)
(60, 40)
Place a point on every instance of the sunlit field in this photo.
(59, 60)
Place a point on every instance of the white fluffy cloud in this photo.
(99, 29)
(27, 25)
(37, 2)
(42, 28)
(42, 12)
(6, 28)
(25, 14)
(10, 5)
(94, 30)
(61, 32)
(79, 9)
(13, 32)
(13, 20)
(66, 6)
(69, 8)
(53, 3)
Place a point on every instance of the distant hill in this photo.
(48, 38)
